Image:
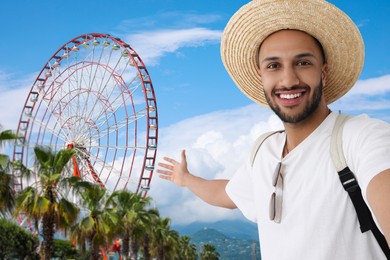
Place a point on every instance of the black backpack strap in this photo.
(351, 185)
(363, 212)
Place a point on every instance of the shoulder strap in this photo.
(259, 141)
(351, 185)
(336, 147)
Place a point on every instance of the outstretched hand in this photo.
(211, 191)
(174, 171)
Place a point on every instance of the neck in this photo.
(297, 132)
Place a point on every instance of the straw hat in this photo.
(252, 23)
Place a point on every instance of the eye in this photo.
(303, 63)
(273, 66)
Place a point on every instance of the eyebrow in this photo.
(301, 55)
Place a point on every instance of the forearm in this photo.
(378, 194)
(211, 191)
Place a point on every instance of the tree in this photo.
(165, 240)
(171, 245)
(133, 219)
(44, 201)
(148, 234)
(187, 250)
(16, 242)
(209, 253)
(63, 249)
(98, 223)
(7, 201)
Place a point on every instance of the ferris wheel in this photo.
(96, 96)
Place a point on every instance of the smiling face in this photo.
(293, 73)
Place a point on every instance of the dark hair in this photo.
(321, 48)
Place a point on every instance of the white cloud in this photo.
(367, 95)
(168, 20)
(216, 144)
(152, 45)
(371, 87)
(14, 91)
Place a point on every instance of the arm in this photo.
(211, 191)
(378, 195)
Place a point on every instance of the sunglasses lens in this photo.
(272, 211)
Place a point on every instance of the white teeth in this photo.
(290, 96)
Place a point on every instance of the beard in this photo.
(309, 109)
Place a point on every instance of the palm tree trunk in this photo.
(48, 227)
(160, 253)
(126, 245)
(134, 249)
(146, 247)
(94, 251)
(48, 235)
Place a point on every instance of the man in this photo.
(296, 57)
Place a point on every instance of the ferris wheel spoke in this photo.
(104, 132)
(101, 169)
(101, 101)
(114, 110)
(91, 78)
(47, 128)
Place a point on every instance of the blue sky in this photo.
(199, 107)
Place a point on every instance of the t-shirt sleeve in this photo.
(367, 148)
(240, 191)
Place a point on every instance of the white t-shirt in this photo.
(318, 219)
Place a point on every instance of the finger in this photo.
(170, 160)
(164, 172)
(165, 177)
(166, 166)
(183, 157)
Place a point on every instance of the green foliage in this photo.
(43, 201)
(7, 200)
(187, 250)
(6, 136)
(96, 226)
(7, 196)
(209, 252)
(16, 242)
(63, 249)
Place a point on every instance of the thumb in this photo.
(184, 157)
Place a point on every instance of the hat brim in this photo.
(251, 24)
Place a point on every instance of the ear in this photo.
(324, 73)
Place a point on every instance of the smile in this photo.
(290, 96)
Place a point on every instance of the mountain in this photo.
(228, 248)
(232, 239)
(232, 228)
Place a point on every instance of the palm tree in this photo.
(45, 201)
(7, 195)
(133, 219)
(172, 245)
(148, 234)
(187, 250)
(7, 200)
(98, 223)
(209, 253)
(166, 241)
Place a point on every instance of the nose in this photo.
(289, 77)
